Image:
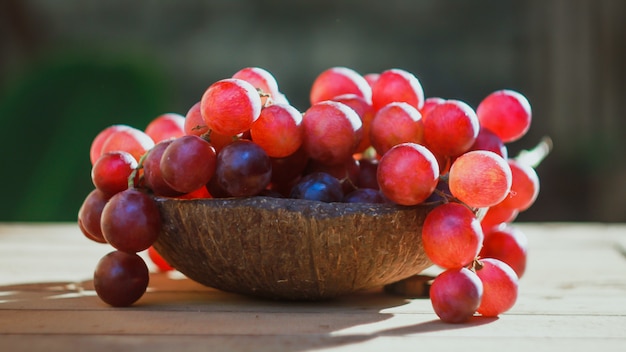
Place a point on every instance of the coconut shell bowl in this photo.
(291, 249)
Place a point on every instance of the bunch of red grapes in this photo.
(369, 138)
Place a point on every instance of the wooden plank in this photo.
(572, 297)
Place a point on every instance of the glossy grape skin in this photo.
(480, 178)
(371, 78)
(407, 174)
(89, 215)
(243, 169)
(524, 186)
(130, 140)
(120, 279)
(451, 235)
(450, 128)
(456, 294)
(111, 171)
(261, 79)
(278, 130)
(153, 178)
(230, 106)
(430, 103)
(337, 81)
(366, 112)
(318, 186)
(487, 140)
(397, 85)
(188, 163)
(508, 244)
(166, 126)
(506, 113)
(96, 145)
(393, 124)
(332, 131)
(131, 221)
(498, 214)
(194, 122)
(500, 285)
(364, 195)
(156, 258)
(347, 172)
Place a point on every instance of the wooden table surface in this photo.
(572, 298)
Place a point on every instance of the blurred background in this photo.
(69, 68)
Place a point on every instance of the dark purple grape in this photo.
(367, 173)
(120, 278)
(243, 169)
(318, 186)
(89, 215)
(131, 221)
(364, 195)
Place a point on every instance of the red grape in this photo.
(397, 85)
(506, 113)
(452, 235)
(260, 79)
(508, 244)
(368, 168)
(131, 221)
(430, 103)
(188, 163)
(120, 278)
(487, 140)
(371, 78)
(500, 287)
(278, 130)
(194, 122)
(365, 111)
(130, 140)
(243, 169)
(96, 145)
(407, 174)
(393, 124)
(337, 81)
(111, 171)
(158, 260)
(450, 128)
(480, 178)
(524, 186)
(152, 175)
(332, 132)
(456, 294)
(89, 215)
(230, 106)
(497, 215)
(166, 126)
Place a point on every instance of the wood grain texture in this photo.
(572, 297)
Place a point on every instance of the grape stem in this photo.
(533, 157)
(133, 174)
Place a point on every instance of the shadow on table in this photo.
(178, 314)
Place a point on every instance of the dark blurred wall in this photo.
(69, 68)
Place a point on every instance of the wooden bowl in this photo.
(291, 249)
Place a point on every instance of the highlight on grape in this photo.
(369, 138)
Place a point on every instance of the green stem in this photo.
(536, 155)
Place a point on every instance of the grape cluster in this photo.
(371, 138)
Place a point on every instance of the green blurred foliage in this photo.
(50, 113)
